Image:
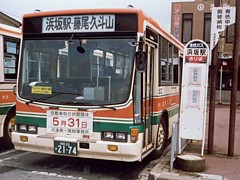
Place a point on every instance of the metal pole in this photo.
(213, 78)
(220, 85)
(234, 82)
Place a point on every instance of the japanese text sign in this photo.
(196, 52)
(71, 122)
(78, 23)
(221, 17)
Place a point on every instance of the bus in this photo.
(96, 83)
(9, 53)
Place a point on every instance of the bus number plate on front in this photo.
(67, 148)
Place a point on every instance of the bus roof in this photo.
(9, 30)
(83, 11)
(143, 16)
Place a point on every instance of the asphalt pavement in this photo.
(218, 166)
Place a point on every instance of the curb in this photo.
(162, 172)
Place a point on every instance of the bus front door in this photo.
(148, 80)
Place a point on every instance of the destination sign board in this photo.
(79, 23)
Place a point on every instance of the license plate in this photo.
(67, 148)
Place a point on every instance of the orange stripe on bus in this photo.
(7, 96)
(26, 108)
(126, 112)
(159, 104)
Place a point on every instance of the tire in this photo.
(6, 140)
(161, 140)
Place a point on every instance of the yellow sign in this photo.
(41, 90)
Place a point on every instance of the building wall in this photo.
(198, 8)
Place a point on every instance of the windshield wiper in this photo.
(69, 103)
(43, 98)
(109, 107)
(104, 106)
(86, 103)
(49, 96)
(76, 103)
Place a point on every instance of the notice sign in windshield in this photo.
(79, 23)
(41, 90)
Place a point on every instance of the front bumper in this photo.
(94, 149)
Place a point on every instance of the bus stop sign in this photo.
(194, 90)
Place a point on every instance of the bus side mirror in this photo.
(141, 60)
(15, 89)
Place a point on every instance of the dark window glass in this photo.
(11, 50)
(163, 61)
(187, 21)
(170, 62)
(230, 34)
(207, 27)
(175, 66)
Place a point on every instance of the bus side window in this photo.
(11, 52)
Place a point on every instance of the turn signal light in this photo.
(24, 138)
(112, 148)
(134, 135)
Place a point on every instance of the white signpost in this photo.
(194, 91)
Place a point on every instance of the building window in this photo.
(230, 34)
(187, 21)
(207, 27)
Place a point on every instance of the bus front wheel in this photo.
(161, 139)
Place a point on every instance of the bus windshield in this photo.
(75, 71)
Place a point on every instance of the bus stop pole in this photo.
(213, 78)
(234, 82)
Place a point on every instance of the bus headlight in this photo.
(108, 135)
(114, 136)
(121, 136)
(24, 128)
(32, 129)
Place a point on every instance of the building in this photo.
(192, 20)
